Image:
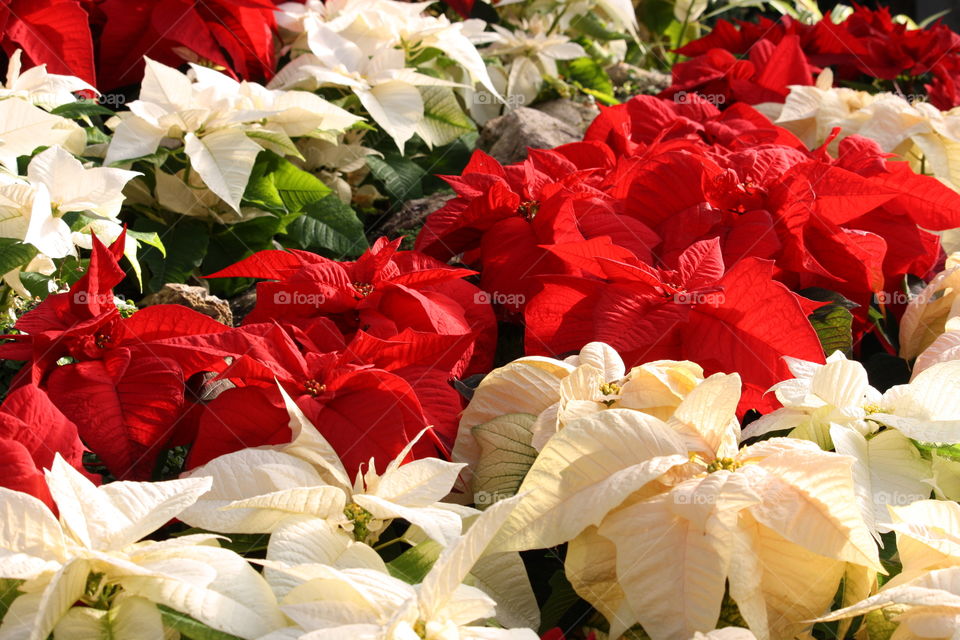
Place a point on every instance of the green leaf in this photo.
(241, 543)
(443, 119)
(279, 186)
(81, 109)
(505, 456)
(185, 242)
(833, 322)
(9, 590)
(275, 141)
(400, 177)
(589, 74)
(96, 135)
(150, 238)
(591, 25)
(412, 565)
(14, 254)
(329, 227)
(948, 451)
(190, 627)
(561, 600)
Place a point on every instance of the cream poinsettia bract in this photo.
(834, 405)
(923, 601)
(94, 555)
(661, 516)
(367, 603)
(254, 490)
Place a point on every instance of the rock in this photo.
(196, 298)
(577, 114)
(411, 215)
(507, 138)
(633, 80)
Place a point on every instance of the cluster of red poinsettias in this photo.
(104, 41)
(679, 231)
(756, 62)
(365, 348)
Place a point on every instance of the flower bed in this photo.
(695, 374)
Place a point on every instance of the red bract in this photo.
(124, 396)
(362, 410)
(234, 34)
(502, 216)
(383, 293)
(867, 45)
(32, 432)
(51, 32)
(739, 320)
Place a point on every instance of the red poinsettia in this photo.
(738, 320)
(363, 411)
(867, 45)
(502, 215)
(32, 432)
(124, 396)
(236, 35)
(384, 292)
(51, 32)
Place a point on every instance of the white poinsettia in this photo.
(662, 516)
(254, 490)
(370, 604)
(927, 313)
(385, 86)
(923, 600)
(834, 405)
(551, 392)
(95, 551)
(24, 128)
(222, 124)
(57, 183)
(35, 85)
(532, 51)
(916, 131)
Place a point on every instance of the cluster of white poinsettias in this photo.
(669, 515)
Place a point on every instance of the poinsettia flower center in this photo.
(313, 387)
(360, 518)
(528, 209)
(363, 289)
(724, 464)
(103, 340)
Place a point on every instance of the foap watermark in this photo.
(895, 498)
(699, 297)
(502, 299)
(90, 298)
(487, 498)
(692, 497)
(298, 298)
(716, 99)
(512, 101)
(112, 101)
(885, 298)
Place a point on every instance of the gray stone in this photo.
(577, 114)
(196, 298)
(508, 137)
(637, 81)
(409, 218)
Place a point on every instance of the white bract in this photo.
(94, 550)
(834, 405)
(254, 490)
(56, 183)
(923, 601)
(24, 128)
(35, 85)
(369, 604)
(364, 45)
(662, 516)
(223, 124)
